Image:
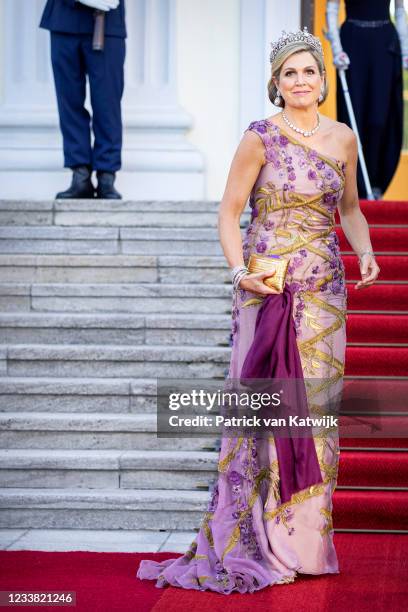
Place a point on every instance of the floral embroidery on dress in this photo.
(234, 323)
(260, 126)
(241, 485)
(213, 503)
(300, 306)
(322, 175)
(286, 515)
(297, 262)
(268, 225)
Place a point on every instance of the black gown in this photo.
(375, 82)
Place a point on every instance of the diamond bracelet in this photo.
(237, 273)
(365, 253)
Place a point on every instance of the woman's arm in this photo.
(246, 164)
(352, 220)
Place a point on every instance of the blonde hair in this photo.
(288, 50)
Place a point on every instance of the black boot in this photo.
(81, 185)
(105, 189)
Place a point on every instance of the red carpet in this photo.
(372, 578)
(365, 443)
(384, 329)
(395, 239)
(380, 212)
(393, 267)
(372, 509)
(386, 297)
(379, 469)
(373, 471)
(376, 361)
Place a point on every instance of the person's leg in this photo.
(386, 108)
(106, 80)
(69, 77)
(353, 40)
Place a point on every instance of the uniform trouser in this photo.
(72, 59)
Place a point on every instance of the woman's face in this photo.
(300, 82)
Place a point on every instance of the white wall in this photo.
(208, 81)
(1, 52)
(223, 68)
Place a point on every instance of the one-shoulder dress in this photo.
(249, 537)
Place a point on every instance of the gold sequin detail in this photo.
(297, 498)
(328, 515)
(224, 463)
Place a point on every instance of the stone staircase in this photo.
(97, 301)
(92, 297)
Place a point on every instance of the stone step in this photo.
(130, 297)
(154, 328)
(78, 395)
(112, 328)
(3, 361)
(151, 469)
(91, 240)
(19, 268)
(100, 361)
(27, 430)
(173, 509)
(110, 214)
(59, 240)
(184, 470)
(109, 395)
(107, 241)
(102, 508)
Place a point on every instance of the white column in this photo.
(262, 22)
(157, 160)
(29, 136)
(155, 146)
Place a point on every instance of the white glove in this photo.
(402, 29)
(340, 58)
(102, 5)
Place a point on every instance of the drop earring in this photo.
(278, 98)
(321, 96)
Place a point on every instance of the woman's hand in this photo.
(254, 283)
(369, 271)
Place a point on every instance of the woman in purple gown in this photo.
(270, 514)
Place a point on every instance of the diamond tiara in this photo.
(291, 37)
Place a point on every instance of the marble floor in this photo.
(95, 540)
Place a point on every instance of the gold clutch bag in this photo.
(263, 263)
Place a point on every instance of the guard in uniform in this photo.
(71, 24)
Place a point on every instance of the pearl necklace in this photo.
(299, 130)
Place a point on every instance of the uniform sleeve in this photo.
(70, 2)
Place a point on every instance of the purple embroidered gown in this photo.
(249, 538)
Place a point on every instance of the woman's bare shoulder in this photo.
(341, 132)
